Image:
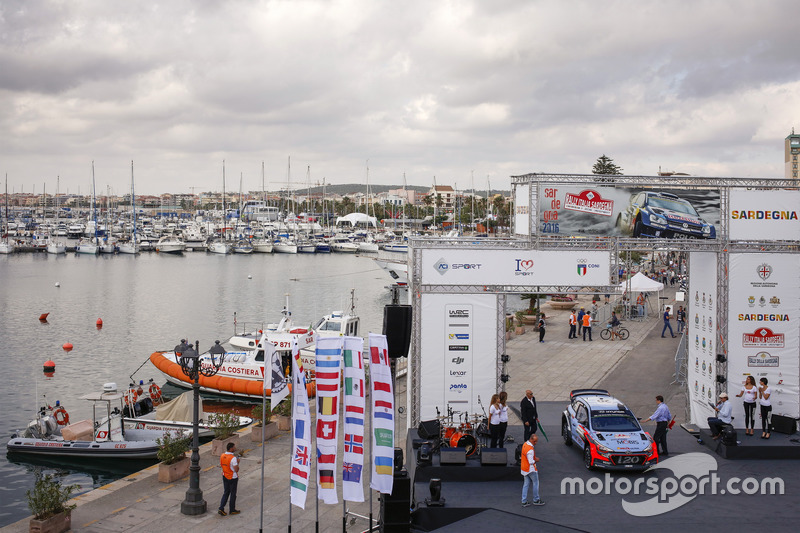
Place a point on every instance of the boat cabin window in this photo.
(260, 356)
(352, 329)
(327, 325)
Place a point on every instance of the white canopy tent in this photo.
(640, 283)
(357, 219)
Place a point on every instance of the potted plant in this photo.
(225, 426)
(531, 315)
(520, 328)
(284, 415)
(509, 326)
(562, 302)
(263, 428)
(48, 503)
(172, 450)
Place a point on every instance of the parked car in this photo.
(661, 214)
(608, 433)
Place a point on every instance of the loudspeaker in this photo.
(453, 456)
(397, 328)
(416, 443)
(784, 424)
(396, 507)
(428, 429)
(494, 456)
(729, 437)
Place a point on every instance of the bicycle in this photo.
(621, 332)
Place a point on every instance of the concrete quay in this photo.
(635, 370)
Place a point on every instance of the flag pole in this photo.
(263, 445)
(371, 438)
(291, 448)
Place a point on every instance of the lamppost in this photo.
(189, 359)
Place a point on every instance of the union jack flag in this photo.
(301, 455)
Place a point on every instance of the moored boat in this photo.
(103, 437)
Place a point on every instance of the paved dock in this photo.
(636, 370)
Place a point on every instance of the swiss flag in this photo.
(326, 429)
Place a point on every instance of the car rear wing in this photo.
(588, 392)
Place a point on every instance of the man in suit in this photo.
(527, 409)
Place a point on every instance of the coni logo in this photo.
(692, 475)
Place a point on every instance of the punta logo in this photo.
(458, 386)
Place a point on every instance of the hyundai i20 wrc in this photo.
(661, 214)
(610, 436)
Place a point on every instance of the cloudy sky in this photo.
(443, 88)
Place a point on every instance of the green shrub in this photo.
(49, 498)
(224, 424)
(257, 414)
(172, 448)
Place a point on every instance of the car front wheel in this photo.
(565, 433)
(637, 228)
(587, 457)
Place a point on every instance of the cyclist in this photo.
(614, 323)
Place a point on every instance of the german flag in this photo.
(326, 479)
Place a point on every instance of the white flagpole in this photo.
(263, 446)
(371, 436)
(291, 454)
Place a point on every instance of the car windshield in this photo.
(676, 204)
(614, 421)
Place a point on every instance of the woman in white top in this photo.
(766, 406)
(750, 393)
(494, 420)
(503, 396)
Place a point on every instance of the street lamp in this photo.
(189, 359)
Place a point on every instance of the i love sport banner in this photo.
(329, 360)
(382, 415)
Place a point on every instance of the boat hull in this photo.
(242, 387)
(67, 448)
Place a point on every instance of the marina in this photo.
(147, 302)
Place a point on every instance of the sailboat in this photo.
(285, 244)
(6, 246)
(87, 246)
(54, 246)
(131, 246)
(107, 246)
(262, 245)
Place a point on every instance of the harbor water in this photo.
(146, 303)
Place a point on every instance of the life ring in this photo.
(131, 396)
(155, 392)
(62, 416)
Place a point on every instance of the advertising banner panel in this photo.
(764, 215)
(701, 332)
(458, 352)
(624, 211)
(522, 209)
(449, 266)
(764, 329)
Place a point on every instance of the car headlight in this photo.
(655, 219)
(649, 449)
(706, 229)
(603, 449)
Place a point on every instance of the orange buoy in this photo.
(49, 366)
(43, 317)
(99, 322)
(67, 346)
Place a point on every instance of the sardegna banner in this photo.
(764, 215)
(763, 328)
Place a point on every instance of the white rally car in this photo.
(611, 437)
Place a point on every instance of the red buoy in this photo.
(49, 366)
(43, 317)
(67, 346)
(99, 322)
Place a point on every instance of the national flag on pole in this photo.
(382, 415)
(277, 381)
(329, 360)
(354, 401)
(301, 433)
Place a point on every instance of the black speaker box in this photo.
(397, 328)
(494, 456)
(453, 456)
(401, 489)
(428, 429)
(416, 443)
(396, 507)
(729, 437)
(784, 424)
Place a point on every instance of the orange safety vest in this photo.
(225, 462)
(525, 465)
(586, 321)
(572, 320)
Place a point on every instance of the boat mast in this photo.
(224, 212)
(133, 206)
(94, 207)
